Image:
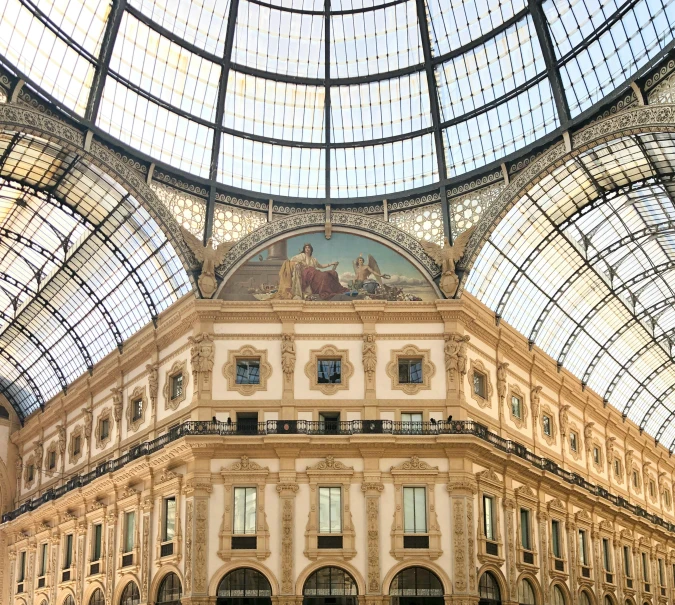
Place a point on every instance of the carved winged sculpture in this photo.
(447, 257)
(210, 258)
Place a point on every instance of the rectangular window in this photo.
(636, 480)
(415, 510)
(96, 542)
(105, 428)
(77, 444)
(573, 441)
(652, 489)
(412, 417)
(248, 371)
(31, 472)
(479, 384)
(525, 541)
(546, 422)
(617, 468)
(606, 555)
(129, 528)
(662, 573)
(68, 552)
(645, 567)
(245, 503)
(410, 371)
(247, 423)
(517, 406)
(555, 539)
(176, 386)
(22, 567)
(51, 460)
(44, 556)
(330, 422)
(330, 510)
(583, 548)
(169, 528)
(329, 371)
(136, 409)
(626, 562)
(489, 517)
(596, 455)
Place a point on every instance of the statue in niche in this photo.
(535, 399)
(62, 439)
(369, 355)
(455, 354)
(447, 258)
(501, 380)
(287, 355)
(209, 257)
(564, 419)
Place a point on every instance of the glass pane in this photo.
(409, 510)
(96, 554)
(555, 538)
(488, 512)
(525, 528)
(169, 519)
(248, 371)
(329, 371)
(129, 526)
(420, 510)
(251, 498)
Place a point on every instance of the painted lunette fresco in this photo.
(345, 267)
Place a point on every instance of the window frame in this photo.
(247, 489)
(67, 558)
(415, 490)
(126, 534)
(43, 568)
(329, 353)
(331, 490)
(96, 545)
(247, 352)
(408, 352)
(165, 518)
(179, 368)
(407, 362)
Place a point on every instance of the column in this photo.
(463, 530)
(197, 490)
(372, 491)
(287, 491)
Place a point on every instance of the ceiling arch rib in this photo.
(108, 268)
(584, 262)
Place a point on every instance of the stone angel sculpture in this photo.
(447, 257)
(210, 258)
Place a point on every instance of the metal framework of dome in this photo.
(338, 101)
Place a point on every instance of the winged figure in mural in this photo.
(364, 271)
(447, 258)
(210, 258)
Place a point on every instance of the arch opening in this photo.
(170, 590)
(97, 598)
(244, 586)
(330, 586)
(130, 594)
(489, 592)
(416, 586)
(526, 594)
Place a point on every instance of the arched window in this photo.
(244, 583)
(559, 597)
(526, 593)
(69, 600)
(584, 598)
(330, 581)
(97, 598)
(416, 582)
(416, 585)
(488, 588)
(608, 600)
(169, 590)
(130, 595)
(44, 601)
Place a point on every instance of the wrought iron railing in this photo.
(193, 428)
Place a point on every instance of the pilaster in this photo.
(462, 491)
(373, 490)
(197, 490)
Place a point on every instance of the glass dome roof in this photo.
(330, 99)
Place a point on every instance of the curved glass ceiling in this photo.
(83, 266)
(584, 265)
(330, 98)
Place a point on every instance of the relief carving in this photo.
(202, 355)
(189, 519)
(145, 560)
(287, 546)
(369, 360)
(501, 381)
(288, 360)
(153, 382)
(372, 516)
(201, 535)
(535, 402)
(460, 546)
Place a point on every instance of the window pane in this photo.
(169, 519)
(330, 513)
(488, 518)
(244, 510)
(329, 371)
(96, 550)
(414, 510)
(129, 525)
(248, 371)
(555, 528)
(525, 528)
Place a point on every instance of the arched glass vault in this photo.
(83, 266)
(330, 99)
(584, 265)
